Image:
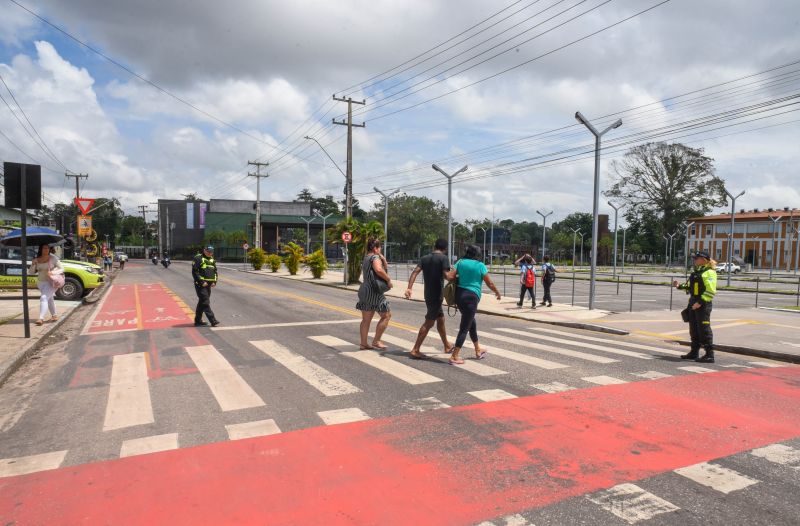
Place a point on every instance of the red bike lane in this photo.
(452, 466)
(135, 306)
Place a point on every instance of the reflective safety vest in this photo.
(702, 284)
(206, 268)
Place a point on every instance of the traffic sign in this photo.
(84, 204)
(84, 225)
(347, 237)
(246, 246)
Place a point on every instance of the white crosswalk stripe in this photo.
(602, 348)
(393, 368)
(11, 467)
(424, 404)
(524, 358)
(652, 375)
(129, 393)
(471, 366)
(631, 503)
(147, 445)
(332, 341)
(603, 380)
(343, 416)
(779, 454)
(317, 377)
(227, 386)
(252, 429)
(696, 369)
(553, 387)
(629, 345)
(491, 395)
(546, 348)
(716, 477)
(509, 520)
(766, 364)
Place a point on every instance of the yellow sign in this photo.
(84, 225)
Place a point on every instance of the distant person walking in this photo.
(434, 268)
(375, 282)
(527, 279)
(50, 278)
(548, 277)
(701, 288)
(471, 273)
(107, 263)
(204, 272)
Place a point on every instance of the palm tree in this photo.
(357, 248)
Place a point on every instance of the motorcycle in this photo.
(154, 260)
(166, 262)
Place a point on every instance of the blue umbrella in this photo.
(35, 236)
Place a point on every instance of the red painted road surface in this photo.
(137, 307)
(452, 466)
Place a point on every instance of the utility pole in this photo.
(733, 224)
(348, 186)
(161, 242)
(258, 175)
(77, 178)
(143, 209)
(324, 244)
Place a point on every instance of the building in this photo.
(184, 225)
(758, 236)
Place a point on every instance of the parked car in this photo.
(80, 277)
(728, 267)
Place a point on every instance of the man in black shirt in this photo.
(434, 266)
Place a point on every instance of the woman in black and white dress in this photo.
(370, 298)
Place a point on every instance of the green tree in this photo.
(414, 222)
(304, 196)
(357, 249)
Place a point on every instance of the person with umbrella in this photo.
(50, 275)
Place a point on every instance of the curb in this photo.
(567, 324)
(11, 365)
(748, 351)
(795, 311)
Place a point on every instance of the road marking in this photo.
(696, 369)
(230, 389)
(510, 520)
(343, 416)
(766, 364)
(563, 352)
(317, 377)
(491, 395)
(602, 348)
(139, 321)
(630, 345)
(11, 467)
(129, 393)
(652, 375)
(631, 503)
(287, 324)
(147, 445)
(471, 366)
(424, 404)
(779, 454)
(716, 477)
(553, 387)
(723, 326)
(258, 428)
(97, 310)
(389, 366)
(603, 380)
(737, 365)
(524, 358)
(332, 341)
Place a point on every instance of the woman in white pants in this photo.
(45, 265)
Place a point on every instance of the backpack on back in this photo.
(530, 277)
(549, 273)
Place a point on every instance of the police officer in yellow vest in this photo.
(204, 272)
(701, 287)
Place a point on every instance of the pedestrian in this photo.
(107, 263)
(50, 278)
(204, 272)
(470, 274)
(122, 259)
(434, 268)
(527, 279)
(548, 277)
(701, 288)
(375, 282)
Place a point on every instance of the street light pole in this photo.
(324, 219)
(308, 232)
(386, 216)
(596, 201)
(347, 187)
(687, 226)
(616, 211)
(484, 243)
(581, 234)
(774, 252)
(449, 206)
(624, 231)
(544, 229)
(733, 222)
(574, 234)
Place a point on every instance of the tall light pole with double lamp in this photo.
(324, 219)
(544, 230)
(733, 223)
(386, 216)
(687, 225)
(308, 232)
(449, 206)
(596, 201)
(575, 232)
(484, 242)
(616, 213)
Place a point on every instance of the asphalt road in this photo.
(131, 375)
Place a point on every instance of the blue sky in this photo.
(264, 67)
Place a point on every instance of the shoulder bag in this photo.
(57, 277)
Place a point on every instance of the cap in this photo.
(700, 254)
(209, 248)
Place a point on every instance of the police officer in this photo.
(701, 287)
(204, 272)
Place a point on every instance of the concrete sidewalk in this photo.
(765, 333)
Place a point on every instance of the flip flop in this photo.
(456, 362)
(481, 356)
(450, 350)
(365, 348)
(419, 356)
(381, 346)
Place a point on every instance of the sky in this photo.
(156, 99)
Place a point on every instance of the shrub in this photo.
(294, 256)
(274, 261)
(317, 263)
(257, 258)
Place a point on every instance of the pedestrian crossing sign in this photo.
(84, 225)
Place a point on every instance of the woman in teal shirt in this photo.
(471, 274)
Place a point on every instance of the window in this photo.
(694, 230)
(709, 230)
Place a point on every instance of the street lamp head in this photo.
(306, 137)
(580, 118)
(376, 189)
(617, 124)
(463, 169)
(436, 167)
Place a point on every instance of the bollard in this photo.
(758, 282)
(617, 285)
(797, 296)
(671, 288)
(504, 282)
(630, 308)
(573, 288)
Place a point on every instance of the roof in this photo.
(761, 215)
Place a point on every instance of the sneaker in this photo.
(690, 356)
(549, 304)
(215, 323)
(706, 358)
(543, 303)
(533, 306)
(519, 304)
(200, 324)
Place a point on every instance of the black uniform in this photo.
(204, 272)
(701, 287)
